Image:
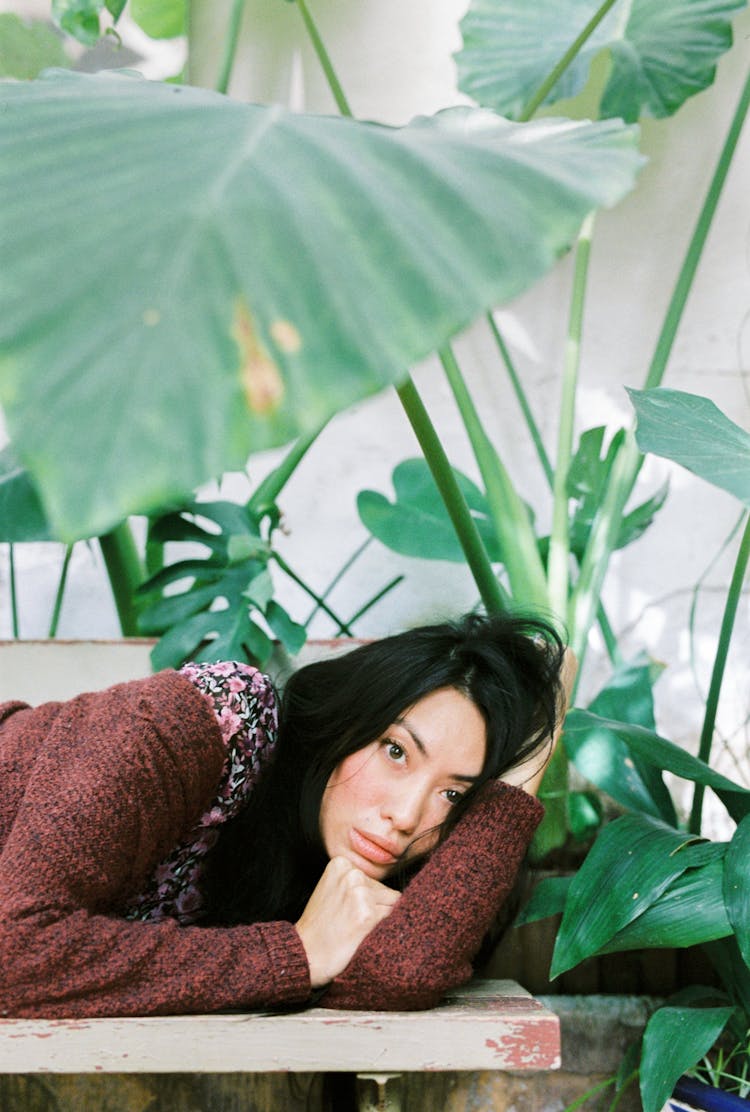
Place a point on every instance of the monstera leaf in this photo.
(660, 53)
(186, 278)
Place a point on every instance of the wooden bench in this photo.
(489, 1025)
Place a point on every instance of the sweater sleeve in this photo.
(426, 945)
(117, 778)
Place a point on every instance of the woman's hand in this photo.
(341, 912)
(529, 774)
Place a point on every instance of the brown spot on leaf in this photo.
(286, 336)
(261, 381)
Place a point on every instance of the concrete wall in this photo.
(394, 59)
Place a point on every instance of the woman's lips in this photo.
(375, 851)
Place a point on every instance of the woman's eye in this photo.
(453, 796)
(395, 751)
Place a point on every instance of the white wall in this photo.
(394, 60)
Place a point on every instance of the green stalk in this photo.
(610, 641)
(717, 674)
(13, 593)
(697, 243)
(522, 400)
(559, 553)
(321, 603)
(55, 620)
(125, 574)
(492, 594)
(509, 515)
(554, 76)
(325, 61)
(584, 602)
(376, 598)
(230, 46)
(270, 488)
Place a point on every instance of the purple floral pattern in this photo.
(245, 705)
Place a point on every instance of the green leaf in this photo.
(259, 590)
(416, 523)
(79, 18)
(661, 53)
(171, 610)
(548, 898)
(115, 8)
(675, 1039)
(282, 266)
(663, 754)
(632, 862)
(690, 911)
(27, 47)
(585, 813)
(737, 886)
(587, 482)
(291, 634)
(604, 760)
(160, 19)
(181, 641)
(21, 515)
(693, 432)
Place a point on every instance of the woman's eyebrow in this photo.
(423, 750)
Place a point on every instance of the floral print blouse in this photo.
(244, 702)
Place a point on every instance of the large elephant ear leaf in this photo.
(234, 274)
(661, 53)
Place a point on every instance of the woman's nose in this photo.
(403, 809)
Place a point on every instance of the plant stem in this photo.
(520, 393)
(325, 61)
(13, 593)
(559, 554)
(55, 620)
(493, 596)
(230, 46)
(509, 514)
(343, 627)
(376, 598)
(697, 242)
(554, 76)
(717, 674)
(125, 574)
(584, 602)
(610, 641)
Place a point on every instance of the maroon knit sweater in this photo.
(96, 791)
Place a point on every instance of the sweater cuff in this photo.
(288, 960)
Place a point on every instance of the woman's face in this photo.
(385, 803)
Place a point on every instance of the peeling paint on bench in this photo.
(489, 1025)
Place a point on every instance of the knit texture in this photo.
(93, 794)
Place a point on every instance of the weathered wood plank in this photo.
(487, 1026)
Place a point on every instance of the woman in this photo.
(155, 860)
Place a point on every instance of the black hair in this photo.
(269, 858)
